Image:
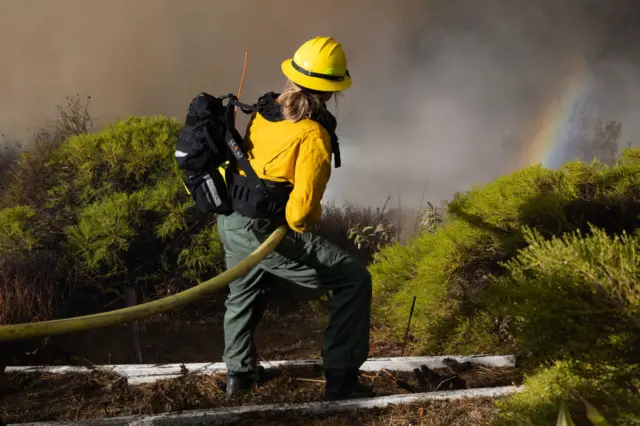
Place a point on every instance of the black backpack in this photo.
(208, 147)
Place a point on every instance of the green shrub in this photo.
(16, 230)
(573, 296)
(133, 217)
(451, 270)
(429, 267)
(113, 205)
(543, 262)
(204, 254)
(609, 388)
(576, 298)
(103, 231)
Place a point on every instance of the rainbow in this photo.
(558, 124)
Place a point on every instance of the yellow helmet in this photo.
(319, 64)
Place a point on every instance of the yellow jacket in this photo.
(298, 153)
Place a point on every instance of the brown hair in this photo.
(297, 103)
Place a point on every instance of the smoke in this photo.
(442, 89)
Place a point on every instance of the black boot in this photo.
(240, 382)
(345, 384)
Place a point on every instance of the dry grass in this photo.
(337, 220)
(33, 289)
(9, 153)
(38, 397)
(20, 302)
(465, 412)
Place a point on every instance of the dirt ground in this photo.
(49, 397)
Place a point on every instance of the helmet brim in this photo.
(313, 83)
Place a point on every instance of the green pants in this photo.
(304, 259)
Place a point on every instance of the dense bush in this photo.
(109, 205)
(577, 299)
(593, 279)
(449, 271)
(543, 262)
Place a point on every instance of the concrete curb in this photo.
(148, 373)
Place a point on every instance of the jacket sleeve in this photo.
(311, 175)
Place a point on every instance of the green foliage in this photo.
(542, 262)
(204, 254)
(127, 156)
(16, 230)
(554, 201)
(103, 231)
(576, 386)
(576, 297)
(427, 267)
(372, 237)
(451, 270)
(113, 205)
(581, 287)
(124, 191)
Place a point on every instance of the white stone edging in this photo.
(148, 373)
(229, 415)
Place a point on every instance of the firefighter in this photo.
(289, 144)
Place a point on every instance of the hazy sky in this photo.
(441, 88)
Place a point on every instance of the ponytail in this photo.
(297, 104)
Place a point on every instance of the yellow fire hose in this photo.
(121, 316)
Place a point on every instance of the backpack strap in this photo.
(207, 137)
(231, 136)
(329, 122)
(247, 109)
